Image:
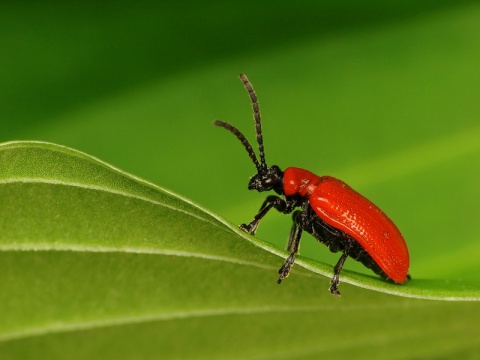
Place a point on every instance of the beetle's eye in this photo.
(266, 182)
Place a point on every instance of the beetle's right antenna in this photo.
(242, 139)
(258, 121)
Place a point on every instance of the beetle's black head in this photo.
(267, 178)
(271, 180)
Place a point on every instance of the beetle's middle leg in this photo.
(299, 220)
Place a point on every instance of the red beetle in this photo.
(330, 210)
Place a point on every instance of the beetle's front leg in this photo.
(270, 202)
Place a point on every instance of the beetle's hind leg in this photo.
(336, 274)
(293, 243)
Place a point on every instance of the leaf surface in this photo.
(91, 254)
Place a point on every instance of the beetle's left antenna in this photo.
(242, 139)
(258, 121)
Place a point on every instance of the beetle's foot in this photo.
(282, 276)
(334, 287)
(245, 228)
(250, 228)
(285, 269)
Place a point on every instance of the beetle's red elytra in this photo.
(343, 208)
(329, 210)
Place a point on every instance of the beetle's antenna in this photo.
(258, 121)
(242, 139)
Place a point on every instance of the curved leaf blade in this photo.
(89, 251)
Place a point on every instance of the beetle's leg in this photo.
(293, 243)
(270, 202)
(336, 274)
(294, 233)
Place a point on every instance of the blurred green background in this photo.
(384, 95)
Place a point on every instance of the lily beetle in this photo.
(328, 209)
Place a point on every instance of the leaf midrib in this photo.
(64, 327)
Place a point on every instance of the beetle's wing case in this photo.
(345, 209)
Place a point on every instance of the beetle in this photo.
(328, 209)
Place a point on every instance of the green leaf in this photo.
(93, 256)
